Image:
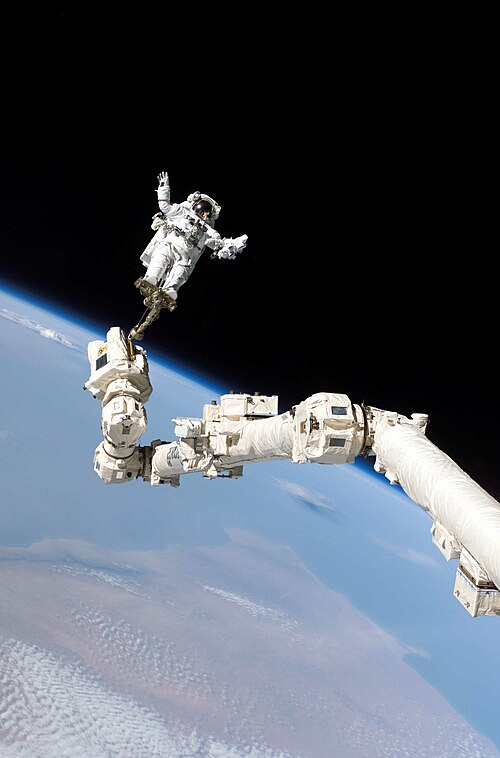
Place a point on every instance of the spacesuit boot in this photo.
(172, 294)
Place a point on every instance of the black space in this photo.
(368, 270)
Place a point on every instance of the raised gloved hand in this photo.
(162, 178)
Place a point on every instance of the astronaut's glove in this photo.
(162, 179)
(230, 247)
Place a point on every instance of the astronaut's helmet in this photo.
(204, 209)
(204, 206)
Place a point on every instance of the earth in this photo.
(299, 612)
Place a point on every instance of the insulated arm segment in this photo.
(466, 519)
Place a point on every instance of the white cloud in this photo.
(409, 650)
(115, 579)
(43, 331)
(407, 553)
(59, 709)
(255, 609)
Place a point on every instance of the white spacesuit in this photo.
(183, 230)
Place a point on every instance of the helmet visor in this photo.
(203, 208)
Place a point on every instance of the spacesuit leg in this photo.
(177, 275)
(159, 263)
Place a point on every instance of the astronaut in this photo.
(182, 231)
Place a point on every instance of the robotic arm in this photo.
(325, 428)
(242, 428)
